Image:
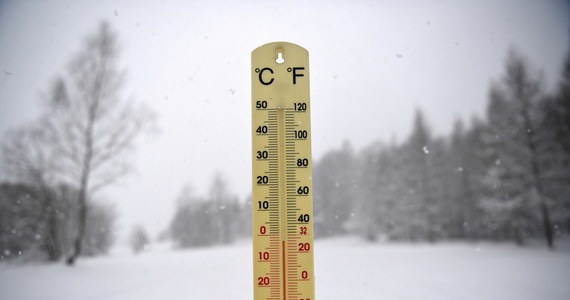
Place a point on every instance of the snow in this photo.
(346, 268)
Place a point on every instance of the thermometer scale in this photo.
(282, 207)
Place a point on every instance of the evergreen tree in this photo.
(335, 185)
(516, 173)
(555, 150)
(417, 176)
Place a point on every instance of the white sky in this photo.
(372, 64)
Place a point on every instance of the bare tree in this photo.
(92, 125)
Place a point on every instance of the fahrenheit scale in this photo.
(282, 206)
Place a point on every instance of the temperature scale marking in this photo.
(282, 205)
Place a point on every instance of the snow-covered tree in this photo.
(206, 221)
(92, 125)
(554, 147)
(514, 180)
(139, 239)
(335, 185)
(418, 165)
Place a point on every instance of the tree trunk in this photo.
(547, 223)
(54, 251)
(427, 202)
(82, 220)
(518, 236)
(83, 190)
(467, 205)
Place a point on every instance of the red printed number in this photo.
(263, 281)
(263, 255)
(304, 246)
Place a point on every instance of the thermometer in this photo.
(282, 205)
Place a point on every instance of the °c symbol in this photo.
(256, 70)
(264, 82)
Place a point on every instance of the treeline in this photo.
(39, 223)
(220, 218)
(504, 177)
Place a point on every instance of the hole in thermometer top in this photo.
(282, 208)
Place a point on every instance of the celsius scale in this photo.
(282, 205)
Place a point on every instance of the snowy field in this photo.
(346, 269)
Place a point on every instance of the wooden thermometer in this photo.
(282, 205)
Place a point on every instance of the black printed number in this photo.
(300, 106)
(262, 154)
(261, 104)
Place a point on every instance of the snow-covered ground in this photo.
(346, 268)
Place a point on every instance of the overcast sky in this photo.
(372, 64)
